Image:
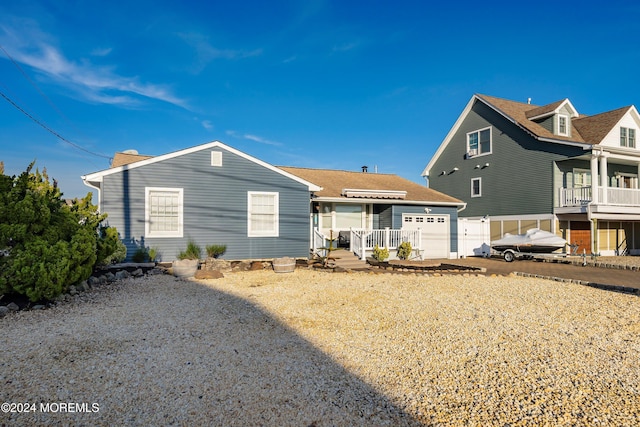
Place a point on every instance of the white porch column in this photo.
(603, 177)
(594, 177)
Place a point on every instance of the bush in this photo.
(214, 251)
(404, 250)
(46, 244)
(380, 254)
(153, 254)
(193, 251)
(140, 255)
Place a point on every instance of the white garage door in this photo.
(435, 233)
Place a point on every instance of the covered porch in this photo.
(609, 184)
(363, 241)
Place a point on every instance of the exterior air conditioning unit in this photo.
(472, 152)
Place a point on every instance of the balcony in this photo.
(610, 196)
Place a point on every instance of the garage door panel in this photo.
(435, 233)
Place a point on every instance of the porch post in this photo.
(603, 177)
(386, 237)
(594, 177)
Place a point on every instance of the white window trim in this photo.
(216, 158)
(490, 141)
(566, 125)
(147, 229)
(276, 232)
(626, 136)
(479, 187)
(577, 171)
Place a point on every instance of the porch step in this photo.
(348, 260)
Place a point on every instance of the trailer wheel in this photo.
(508, 256)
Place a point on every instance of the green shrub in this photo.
(110, 248)
(214, 251)
(193, 251)
(140, 255)
(404, 250)
(153, 254)
(47, 245)
(380, 254)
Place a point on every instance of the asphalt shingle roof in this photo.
(334, 181)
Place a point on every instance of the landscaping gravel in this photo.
(316, 348)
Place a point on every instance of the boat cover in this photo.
(534, 240)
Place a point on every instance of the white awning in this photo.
(374, 194)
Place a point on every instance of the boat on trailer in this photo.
(533, 242)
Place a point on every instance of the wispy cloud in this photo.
(28, 45)
(254, 138)
(345, 47)
(101, 51)
(206, 52)
(207, 124)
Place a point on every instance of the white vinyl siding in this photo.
(263, 214)
(163, 212)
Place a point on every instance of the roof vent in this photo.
(364, 169)
(130, 151)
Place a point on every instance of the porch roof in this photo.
(377, 186)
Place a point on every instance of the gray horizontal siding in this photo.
(519, 178)
(215, 206)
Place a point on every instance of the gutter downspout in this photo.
(97, 188)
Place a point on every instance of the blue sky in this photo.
(320, 84)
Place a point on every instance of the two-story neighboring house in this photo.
(527, 166)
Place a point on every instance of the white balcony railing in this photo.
(620, 196)
(577, 196)
(580, 196)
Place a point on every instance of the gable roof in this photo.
(586, 131)
(517, 113)
(344, 186)
(595, 128)
(94, 179)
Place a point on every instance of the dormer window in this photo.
(628, 137)
(562, 125)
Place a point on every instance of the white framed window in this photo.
(627, 137)
(623, 137)
(479, 142)
(476, 187)
(216, 158)
(632, 138)
(581, 178)
(163, 211)
(563, 128)
(263, 214)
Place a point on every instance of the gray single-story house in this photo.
(211, 194)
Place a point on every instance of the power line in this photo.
(50, 102)
(48, 129)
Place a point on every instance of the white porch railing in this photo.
(578, 196)
(581, 196)
(363, 240)
(620, 196)
(319, 241)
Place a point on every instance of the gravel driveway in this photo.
(314, 348)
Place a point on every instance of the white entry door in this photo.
(435, 233)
